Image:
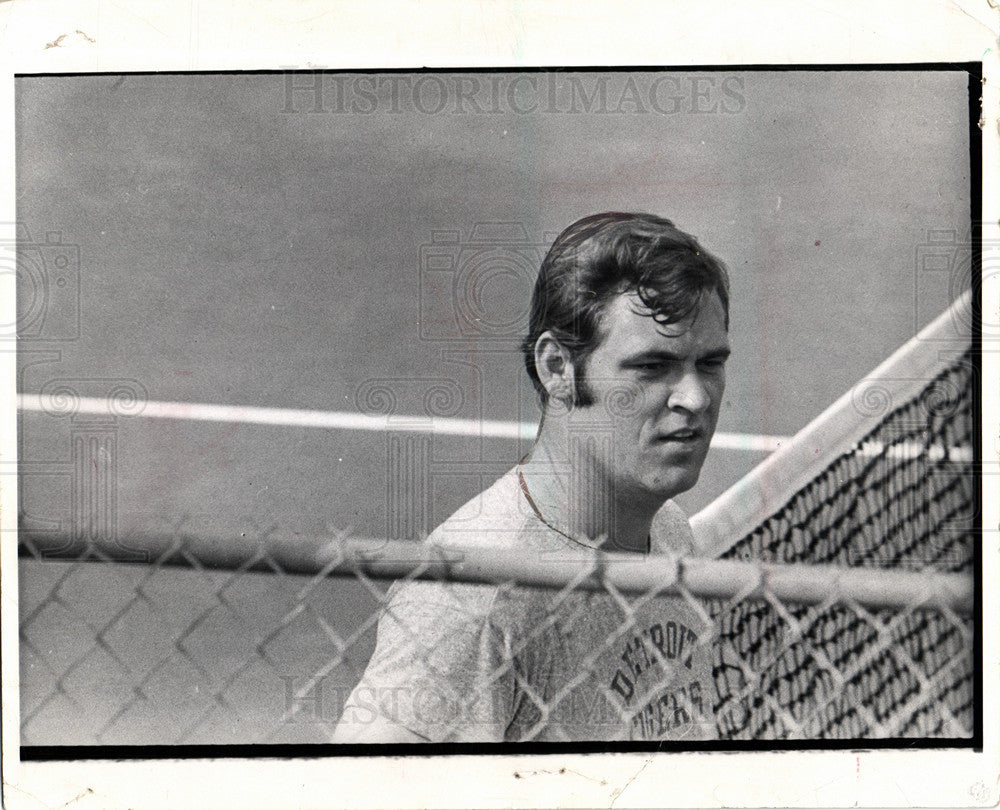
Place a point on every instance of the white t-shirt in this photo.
(492, 663)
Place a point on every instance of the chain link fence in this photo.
(260, 640)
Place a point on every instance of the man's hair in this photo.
(602, 256)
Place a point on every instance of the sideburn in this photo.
(583, 394)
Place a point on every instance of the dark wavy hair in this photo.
(605, 255)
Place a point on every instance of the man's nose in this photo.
(689, 393)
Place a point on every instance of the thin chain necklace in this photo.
(534, 508)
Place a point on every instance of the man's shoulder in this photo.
(492, 519)
(671, 531)
(498, 517)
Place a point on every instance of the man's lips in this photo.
(681, 435)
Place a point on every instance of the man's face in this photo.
(656, 392)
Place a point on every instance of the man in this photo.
(627, 347)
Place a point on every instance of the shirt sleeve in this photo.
(442, 665)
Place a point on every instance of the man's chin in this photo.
(671, 486)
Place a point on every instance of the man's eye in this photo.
(713, 364)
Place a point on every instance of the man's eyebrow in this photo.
(662, 355)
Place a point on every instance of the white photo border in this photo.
(144, 36)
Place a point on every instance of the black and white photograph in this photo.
(548, 411)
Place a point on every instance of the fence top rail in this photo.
(703, 577)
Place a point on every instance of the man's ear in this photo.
(555, 368)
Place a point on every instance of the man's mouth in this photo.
(683, 436)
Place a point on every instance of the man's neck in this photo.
(577, 500)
